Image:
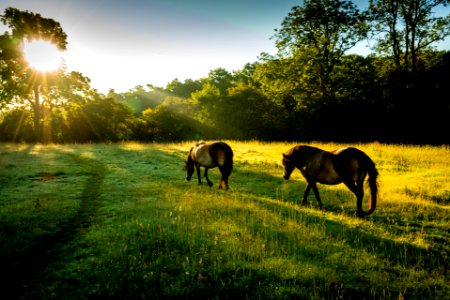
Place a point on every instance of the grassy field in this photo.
(119, 221)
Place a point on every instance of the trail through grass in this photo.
(119, 221)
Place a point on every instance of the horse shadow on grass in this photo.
(397, 252)
(282, 198)
(271, 191)
(276, 187)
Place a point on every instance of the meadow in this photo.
(119, 221)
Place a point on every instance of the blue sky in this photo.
(120, 44)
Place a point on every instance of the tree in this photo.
(406, 28)
(220, 78)
(171, 120)
(140, 98)
(16, 125)
(247, 114)
(18, 80)
(322, 30)
(208, 99)
(247, 74)
(183, 89)
(99, 120)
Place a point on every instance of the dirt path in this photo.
(19, 273)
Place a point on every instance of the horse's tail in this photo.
(373, 184)
(228, 167)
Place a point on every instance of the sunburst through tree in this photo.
(42, 55)
(31, 51)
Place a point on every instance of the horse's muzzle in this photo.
(286, 176)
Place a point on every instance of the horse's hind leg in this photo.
(358, 190)
(207, 179)
(224, 180)
(224, 183)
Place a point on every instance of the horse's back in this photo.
(322, 168)
(331, 167)
(350, 153)
(315, 164)
(353, 162)
(213, 154)
(202, 156)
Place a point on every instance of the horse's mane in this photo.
(301, 149)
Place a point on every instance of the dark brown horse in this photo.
(216, 154)
(347, 165)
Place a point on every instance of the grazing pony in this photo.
(216, 154)
(347, 165)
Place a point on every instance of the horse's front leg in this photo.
(316, 193)
(198, 175)
(207, 179)
(305, 195)
(359, 198)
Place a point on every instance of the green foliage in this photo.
(328, 27)
(20, 82)
(245, 113)
(311, 90)
(139, 98)
(321, 30)
(120, 221)
(183, 89)
(17, 125)
(28, 25)
(171, 120)
(221, 79)
(405, 29)
(102, 119)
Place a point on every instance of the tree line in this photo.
(312, 89)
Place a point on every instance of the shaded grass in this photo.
(149, 234)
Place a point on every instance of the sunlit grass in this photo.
(144, 232)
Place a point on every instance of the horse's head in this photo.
(289, 166)
(189, 166)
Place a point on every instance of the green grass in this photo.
(119, 221)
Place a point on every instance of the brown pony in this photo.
(216, 154)
(347, 165)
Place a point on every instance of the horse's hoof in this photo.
(360, 214)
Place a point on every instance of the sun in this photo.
(42, 55)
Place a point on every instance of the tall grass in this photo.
(119, 221)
